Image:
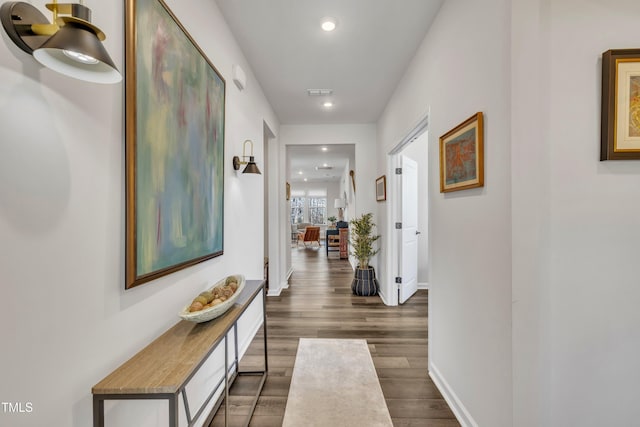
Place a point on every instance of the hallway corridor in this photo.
(319, 304)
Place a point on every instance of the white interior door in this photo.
(409, 243)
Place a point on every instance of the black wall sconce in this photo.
(70, 45)
(251, 164)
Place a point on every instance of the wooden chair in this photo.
(311, 234)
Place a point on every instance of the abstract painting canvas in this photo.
(461, 156)
(175, 112)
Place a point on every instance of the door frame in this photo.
(394, 208)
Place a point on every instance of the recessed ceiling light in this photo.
(325, 165)
(305, 180)
(324, 148)
(299, 172)
(329, 23)
(327, 104)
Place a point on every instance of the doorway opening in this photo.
(408, 214)
(270, 248)
(319, 190)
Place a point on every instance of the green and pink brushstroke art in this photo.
(179, 146)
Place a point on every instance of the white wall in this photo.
(577, 318)
(66, 319)
(531, 241)
(533, 68)
(363, 136)
(463, 67)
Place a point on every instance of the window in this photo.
(297, 210)
(317, 210)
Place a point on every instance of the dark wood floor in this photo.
(319, 304)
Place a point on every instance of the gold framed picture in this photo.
(462, 156)
(175, 116)
(620, 116)
(381, 189)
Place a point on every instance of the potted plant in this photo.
(362, 241)
(332, 221)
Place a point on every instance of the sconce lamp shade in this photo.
(251, 167)
(76, 51)
(71, 45)
(251, 164)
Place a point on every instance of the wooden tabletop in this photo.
(168, 362)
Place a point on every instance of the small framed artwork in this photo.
(288, 191)
(462, 156)
(620, 115)
(381, 189)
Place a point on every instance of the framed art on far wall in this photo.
(175, 122)
(620, 115)
(462, 156)
(381, 189)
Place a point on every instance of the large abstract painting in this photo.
(462, 156)
(620, 120)
(175, 101)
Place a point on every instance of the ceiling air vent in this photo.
(319, 92)
(324, 168)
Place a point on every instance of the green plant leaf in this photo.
(362, 239)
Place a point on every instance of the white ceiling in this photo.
(362, 60)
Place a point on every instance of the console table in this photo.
(192, 365)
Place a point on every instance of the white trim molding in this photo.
(274, 292)
(423, 285)
(383, 297)
(462, 414)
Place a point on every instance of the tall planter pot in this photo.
(364, 282)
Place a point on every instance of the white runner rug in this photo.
(335, 384)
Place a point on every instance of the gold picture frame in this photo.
(620, 113)
(175, 116)
(462, 156)
(381, 189)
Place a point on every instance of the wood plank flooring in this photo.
(319, 304)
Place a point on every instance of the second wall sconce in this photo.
(70, 45)
(251, 164)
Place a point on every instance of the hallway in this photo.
(319, 304)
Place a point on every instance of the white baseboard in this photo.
(464, 417)
(383, 297)
(423, 285)
(283, 285)
(274, 292)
